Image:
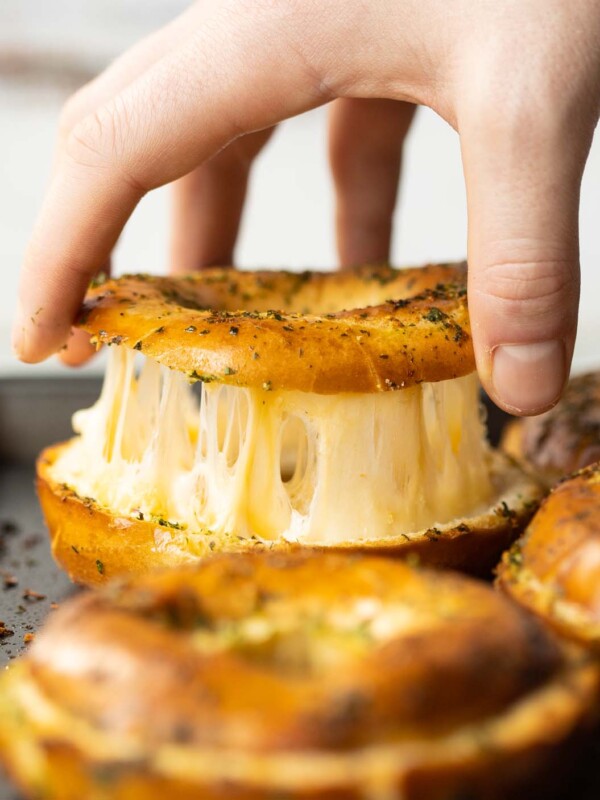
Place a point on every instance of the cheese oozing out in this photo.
(269, 464)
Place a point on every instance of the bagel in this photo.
(564, 439)
(554, 570)
(268, 676)
(330, 429)
(292, 334)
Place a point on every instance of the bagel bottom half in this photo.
(94, 545)
(270, 676)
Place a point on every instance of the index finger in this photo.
(228, 79)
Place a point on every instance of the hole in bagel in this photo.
(298, 462)
(231, 422)
(292, 458)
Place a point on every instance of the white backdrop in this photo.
(289, 213)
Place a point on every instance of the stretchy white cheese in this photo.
(318, 469)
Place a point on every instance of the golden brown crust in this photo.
(555, 568)
(562, 440)
(307, 676)
(93, 545)
(286, 330)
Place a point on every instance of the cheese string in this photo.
(269, 464)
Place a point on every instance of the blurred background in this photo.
(48, 49)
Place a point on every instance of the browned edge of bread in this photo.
(93, 545)
(554, 569)
(219, 325)
(495, 708)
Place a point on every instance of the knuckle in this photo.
(98, 141)
(537, 288)
(236, 158)
(91, 141)
(74, 109)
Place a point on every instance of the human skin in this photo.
(519, 80)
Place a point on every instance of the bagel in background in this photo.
(554, 569)
(305, 676)
(318, 427)
(564, 439)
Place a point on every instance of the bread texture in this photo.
(288, 330)
(554, 569)
(266, 676)
(564, 439)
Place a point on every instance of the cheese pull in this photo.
(305, 467)
(354, 429)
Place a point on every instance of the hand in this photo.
(518, 80)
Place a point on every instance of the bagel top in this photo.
(284, 330)
(564, 439)
(271, 653)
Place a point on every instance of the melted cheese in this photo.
(269, 464)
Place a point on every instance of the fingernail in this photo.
(529, 378)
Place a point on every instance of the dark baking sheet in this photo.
(33, 413)
(37, 412)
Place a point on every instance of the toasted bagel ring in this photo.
(555, 568)
(421, 483)
(562, 440)
(194, 325)
(94, 546)
(301, 677)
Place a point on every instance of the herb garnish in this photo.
(435, 315)
(165, 523)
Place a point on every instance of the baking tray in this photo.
(34, 413)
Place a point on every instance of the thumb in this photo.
(523, 180)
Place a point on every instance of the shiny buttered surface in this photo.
(374, 329)
(562, 440)
(269, 676)
(555, 568)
